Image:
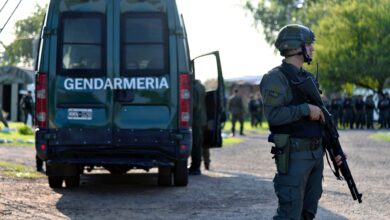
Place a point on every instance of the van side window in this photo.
(144, 40)
(81, 43)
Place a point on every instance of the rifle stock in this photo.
(330, 136)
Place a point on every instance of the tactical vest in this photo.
(359, 105)
(347, 105)
(335, 105)
(370, 105)
(303, 128)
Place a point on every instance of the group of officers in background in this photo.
(237, 110)
(355, 112)
(358, 112)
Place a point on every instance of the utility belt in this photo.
(305, 144)
(284, 144)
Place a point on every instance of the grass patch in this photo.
(231, 141)
(18, 171)
(15, 136)
(228, 140)
(247, 127)
(381, 136)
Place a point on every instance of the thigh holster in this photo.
(281, 151)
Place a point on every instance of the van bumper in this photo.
(143, 163)
(101, 147)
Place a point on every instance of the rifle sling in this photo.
(334, 171)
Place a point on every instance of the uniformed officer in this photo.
(335, 109)
(3, 120)
(359, 108)
(348, 113)
(259, 114)
(370, 107)
(381, 107)
(252, 107)
(27, 105)
(198, 126)
(295, 127)
(236, 108)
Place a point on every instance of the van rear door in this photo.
(145, 110)
(144, 63)
(80, 98)
(207, 68)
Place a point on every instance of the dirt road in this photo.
(238, 186)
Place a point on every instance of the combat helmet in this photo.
(294, 36)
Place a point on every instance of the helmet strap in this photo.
(303, 52)
(306, 57)
(291, 55)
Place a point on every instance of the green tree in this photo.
(20, 50)
(272, 15)
(354, 45)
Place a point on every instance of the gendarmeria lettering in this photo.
(119, 83)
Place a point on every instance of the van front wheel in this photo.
(181, 173)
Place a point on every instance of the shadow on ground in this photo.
(214, 195)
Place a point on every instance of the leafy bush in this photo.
(25, 130)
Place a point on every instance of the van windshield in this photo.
(82, 41)
(144, 43)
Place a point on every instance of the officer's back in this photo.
(236, 105)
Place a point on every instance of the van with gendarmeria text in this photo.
(113, 90)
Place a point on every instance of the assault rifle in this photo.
(330, 136)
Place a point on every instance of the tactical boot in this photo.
(194, 171)
(207, 166)
(233, 132)
(39, 164)
(307, 216)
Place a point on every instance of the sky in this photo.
(211, 25)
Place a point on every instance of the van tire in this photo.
(72, 181)
(165, 176)
(55, 181)
(181, 173)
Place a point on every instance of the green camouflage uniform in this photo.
(370, 107)
(198, 125)
(300, 189)
(237, 109)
